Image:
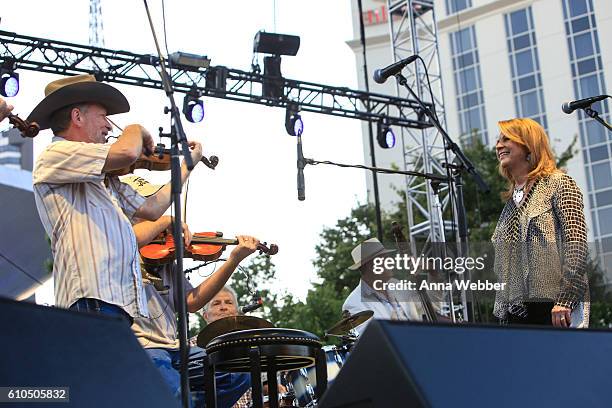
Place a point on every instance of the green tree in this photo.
(256, 276)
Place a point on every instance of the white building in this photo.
(513, 58)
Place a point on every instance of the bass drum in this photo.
(302, 383)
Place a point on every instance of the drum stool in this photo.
(270, 350)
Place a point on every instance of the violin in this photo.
(160, 161)
(27, 129)
(205, 246)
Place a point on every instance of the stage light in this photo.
(293, 121)
(298, 125)
(193, 108)
(9, 83)
(216, 78)
(189, 62)
(385, 135)
(276, 44)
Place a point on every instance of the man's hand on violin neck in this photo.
(196, 151)
(148, 145)
(5, 109)
(246, 246)
(187, 234)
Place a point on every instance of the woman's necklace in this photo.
(519, 193)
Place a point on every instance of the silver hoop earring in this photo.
(528, 157)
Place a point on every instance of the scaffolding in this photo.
(412, 31)
(63, 58)
(96, 29)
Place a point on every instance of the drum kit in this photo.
(300, 385)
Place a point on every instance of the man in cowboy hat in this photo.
(85, 211)
(158, 333)
(386, 304)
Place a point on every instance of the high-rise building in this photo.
(501, 59)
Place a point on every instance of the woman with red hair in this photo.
(540, 238)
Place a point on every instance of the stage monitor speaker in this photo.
(402, 364)
(96, 357)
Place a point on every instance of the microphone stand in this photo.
(456, 180)
(592, 113)
(177, 136)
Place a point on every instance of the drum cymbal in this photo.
(350, 322)
(228, 325)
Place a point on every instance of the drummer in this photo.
(225, 304)
(158, 333)
(386, 304)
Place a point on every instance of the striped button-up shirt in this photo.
(87, 217)
(159, 330)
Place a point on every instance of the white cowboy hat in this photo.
(366, 251)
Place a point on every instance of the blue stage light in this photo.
(193, 109)
(385, 136)
(9, 84)
(293, 121)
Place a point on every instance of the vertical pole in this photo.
(379, 227)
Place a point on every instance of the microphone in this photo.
(300, 170)
(256, 303)
(381, 75)
(569, 107)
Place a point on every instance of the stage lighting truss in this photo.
(122, 67)
(293, 121)
(9, 83)
(385, 135)
(193, 108)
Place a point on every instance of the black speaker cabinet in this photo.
(96, 357)
(402, 364)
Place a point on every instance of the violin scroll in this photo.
(27, 129)
(268, 250)
(211, 162)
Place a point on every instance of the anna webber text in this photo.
(424, 285)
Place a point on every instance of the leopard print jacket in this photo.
(541, 247)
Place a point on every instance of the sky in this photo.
(253, 190)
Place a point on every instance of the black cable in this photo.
(195, 268)
(380, 170)
(165, 32)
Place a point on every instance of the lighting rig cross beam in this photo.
(58, 57)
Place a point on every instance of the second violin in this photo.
(205, 246)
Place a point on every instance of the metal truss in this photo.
(45, 55)
(412, 28)
(96, 29)
(412, 31)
